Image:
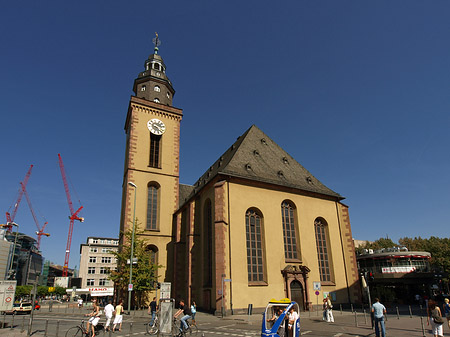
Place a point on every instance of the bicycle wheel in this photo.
(75, 331)
(152, 329)
(192, 331)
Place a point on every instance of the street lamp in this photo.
(132, 246)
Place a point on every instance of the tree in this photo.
(23, 291)
(377, 244)
(42, 291)
(145, 273)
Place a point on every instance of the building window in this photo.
(155, 144)
(90, 282)
(152, 207)
(104, 270)
(153, 250)
(93, 250)
(255, 253)
(103, 282)
(289, 231)
(208, 238)
(157, 88)
(106, 259)
(92, 259)
(321, 229)
(91, 270)
(106, 250)
(144, 87)
(168, 95)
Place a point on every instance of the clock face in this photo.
(156, 126)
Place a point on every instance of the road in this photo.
(57, 323)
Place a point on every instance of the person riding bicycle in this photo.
(94, 317)
(183, 309)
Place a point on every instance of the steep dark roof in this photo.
(256, 157)
(184, 192)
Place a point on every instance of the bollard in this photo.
(57, 328)
(46, 328)
(365, 317)
(12, 323)
(131, 328)
(356, 320)
(23, 325)
(423, 328)
(309, 312)
(4, 320)
(340, 308)
(50, 307)
(398, 315)
(351, 307)
(410, 312)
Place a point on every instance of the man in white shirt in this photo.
(109, 309)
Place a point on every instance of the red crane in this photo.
(40, 231)
(11, 217)
(73, 216)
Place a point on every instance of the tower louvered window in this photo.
(155, 151)
(152, 208)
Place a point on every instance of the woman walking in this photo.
(435, 318)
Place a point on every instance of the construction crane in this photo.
(40, 231)
(73, 216)
(10, 217)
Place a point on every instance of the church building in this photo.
(256, 225)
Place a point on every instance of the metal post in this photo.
(23, 325)
(356, 320)
(46, 328)
(365, 317)
(132, 247)
(57, 328)
(223, 275)
(423, 328)
(340, 308)
(12, 322)
(410, 312)
(32, 305)
(131, 328)
(4, 321)
(398, 315)
(351, 306)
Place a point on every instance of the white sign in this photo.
(392, 270)
(316, 285)
(226, 280)
(130, 287)
(101, 291)
(7, 291)
(62, 282)
(165, 290)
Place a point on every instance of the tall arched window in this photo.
(321, 230)
(153, 250)
(255, 250)
(291, 251)
(208, 238)
(155, 152)
(152, 207)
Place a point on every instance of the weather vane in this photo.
(157, 42)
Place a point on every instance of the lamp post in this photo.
(132, 246)
(10, 272)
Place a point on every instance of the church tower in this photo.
(151, 169)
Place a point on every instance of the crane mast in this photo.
(73, 216)
(11, 217)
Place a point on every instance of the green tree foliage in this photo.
(42, 291)
(438, 247)
(144, 271)
(60, 291)
(23, 291)
(378, 244)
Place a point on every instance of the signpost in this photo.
(7, 291)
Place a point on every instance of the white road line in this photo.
(338, 334)
(305, 332)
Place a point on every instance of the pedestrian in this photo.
(330, 318)
(379, 310)
(152, 309)
(324, 309)
(446, 308)
(293, 317)
(193, 311)
(109, 309)
(118, 319)
(434, 317)
(80, 303)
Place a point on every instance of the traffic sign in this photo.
(317, 293)
(130, 287)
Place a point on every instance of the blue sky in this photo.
(356, 91)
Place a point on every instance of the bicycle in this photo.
(80, 330)
(190, 331)
(152, 329)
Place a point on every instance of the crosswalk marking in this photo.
(305, 332)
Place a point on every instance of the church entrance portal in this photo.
(297, 293)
